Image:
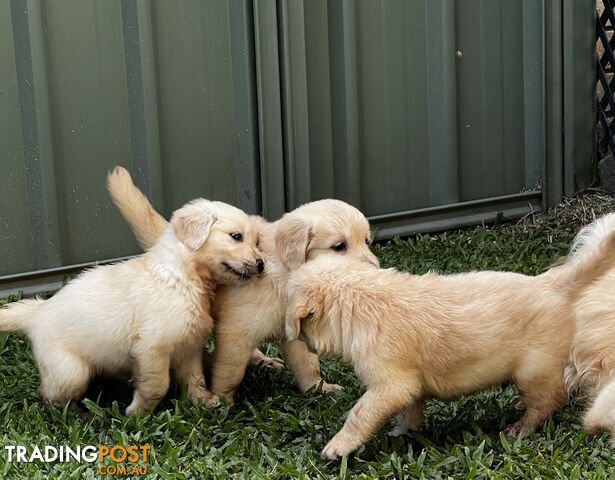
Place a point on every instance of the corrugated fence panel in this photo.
(15, 226)
(200, 140)
(491, 95)
(425, 114)
(412, 104)
(408, 123)
(393, 94)
(86, 82)
(164, 88)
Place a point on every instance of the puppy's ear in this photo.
(294, 315)
(192, 226)
(292, 240)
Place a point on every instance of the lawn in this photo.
(275, 432)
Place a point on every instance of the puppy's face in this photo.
(222, 238)
(324, 227)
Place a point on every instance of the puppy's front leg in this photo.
(189, 372)
(408, 419)
(305, 366)
(152, 380)
(231, 357)
(372, 410)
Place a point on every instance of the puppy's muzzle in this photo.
(247, 269)
(371, 259)
(374, 261)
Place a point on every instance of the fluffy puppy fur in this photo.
(146, 316)
(248, 314)
(590, 372)
(147, 225)
(411, 338)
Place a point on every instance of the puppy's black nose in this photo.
(260, 265)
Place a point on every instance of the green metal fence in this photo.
(426, 114)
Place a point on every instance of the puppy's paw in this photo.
(202, 395)
(518, 404)
(338, 447)
(518, 429)
(330, 387)
(228, 398)
(135, 410)
(399, 431)
(273, 363)
(213, 401)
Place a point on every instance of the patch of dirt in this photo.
(574, 212)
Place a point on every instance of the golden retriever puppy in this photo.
(411, 338)
(248, 314)
(147, 225)
(590, 372)
(148, 315)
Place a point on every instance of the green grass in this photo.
(276, 432)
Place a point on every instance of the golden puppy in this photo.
(411, 337)
(147, 315)
(590, 372)
(250, 313)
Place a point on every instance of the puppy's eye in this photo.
(339, 247)
(367, 241)
(236, 236)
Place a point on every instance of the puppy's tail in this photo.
(587, 250)
(592, 256)
(15, 317)
(590, 236)
(589, 267)
(601, 414)
(145, 222)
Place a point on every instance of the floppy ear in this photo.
(192, 226)
(293, 321)
(292, 239)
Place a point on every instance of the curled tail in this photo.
(145, 222)
(592, 265)
(590, 236)
(16, 316)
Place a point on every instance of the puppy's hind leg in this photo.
(305, 366)
(64, 376)
(152, 381)
(542, 389)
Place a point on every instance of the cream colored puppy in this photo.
(590, 372)
(250, 313)
(148, 315)
(412, 337)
